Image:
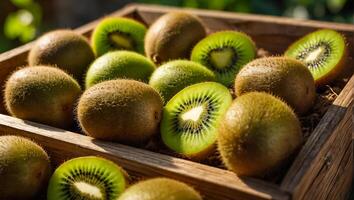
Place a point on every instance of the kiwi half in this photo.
(126, 111)
(42, 94)
(191, 118)
(323, 52)
(119, 64)
(118, 33)
(160, 189)
(172, 36)
(283, 77)
(173, 76)
(225, 53)
(24, 168)
(89, 178)
(64, 49)
(257, 133)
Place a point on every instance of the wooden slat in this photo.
(214, 183)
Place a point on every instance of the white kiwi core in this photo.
(193, 114)
(88, 189)
(313, 55)
(222, 58)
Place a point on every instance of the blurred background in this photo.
(23, 20)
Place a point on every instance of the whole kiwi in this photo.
(24, 168)
(257, 133)
(42, 94)
(121, 110)
(283, 77)
(160, 189)
(64, 49)
(87, 178)
(173, 36)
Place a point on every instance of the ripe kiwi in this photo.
(121, 110)
(225, 53)
(118, 33)
(119, 64)
(90, 178)
(258, 132)
(24, 168)
(283, 77)
(191, 118)
(173, 76)
(173, 36)
(64, 49)
(42, 94)
(324, 52)
(160, 188)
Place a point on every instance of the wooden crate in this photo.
(323, 169)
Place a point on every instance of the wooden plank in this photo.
(324, 153)
(214, 183)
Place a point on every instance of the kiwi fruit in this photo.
(225, 53)
(118, 33)
(89, 178)
(283, 77)
(160, 189)
(119, 64)
(64, 49)
(126, 111)
(42, 94)
(257, 133)
(324, 52)
(173, 76)
(24, 168)
(172, 36)
(191, 118)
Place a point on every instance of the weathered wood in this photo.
(212, 182)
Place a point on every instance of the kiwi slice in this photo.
(64, 49)
(172, 36)
(283, 77)
(89, 178)
(225, 53)
(118, 33)
(257, 133)
(191, 118)
(323, 52)
(24, 168)
(126, 111)
(42, 94)
(160, 189)
(173, 76)
(119, 64)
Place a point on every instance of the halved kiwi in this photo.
(118, 33)
(90, 178)
(225, 53)
(191, 119)
(323, 52)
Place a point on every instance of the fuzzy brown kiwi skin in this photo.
(173, 36)
(131, 116)
(283, 77)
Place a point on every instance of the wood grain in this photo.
(214, 183)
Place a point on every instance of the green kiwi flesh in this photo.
(42, 94)
(119, 64)
(173, 36)
(24, 168)
(89, 178)
(257, 133)
(225, 53)
(323, 52)
(118, 33)
(173, 76)
(283, 77)
(64, 49)
(191, 118)
(126, 111)
(160, 189)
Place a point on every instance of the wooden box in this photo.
(323, 169)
